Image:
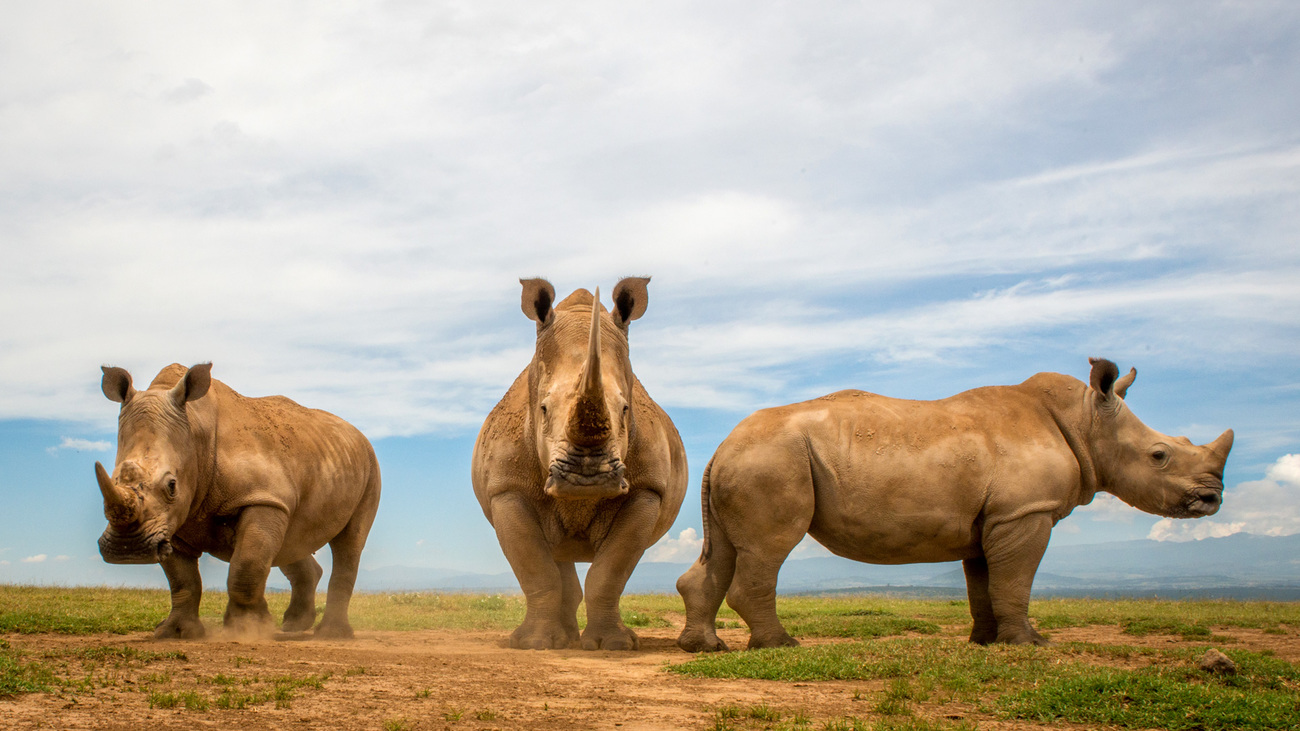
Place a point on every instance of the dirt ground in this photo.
(461, 680)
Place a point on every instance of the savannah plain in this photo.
(85, 659)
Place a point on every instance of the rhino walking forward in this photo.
(981, 476)
(576, 463)
(257, 482)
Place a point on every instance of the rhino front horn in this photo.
(118, 509)
(1222, 445)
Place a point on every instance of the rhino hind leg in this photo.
(345, 550)
(703, 587)
(186, 591)
(303, 577)
(1012, 552)
(984, 628)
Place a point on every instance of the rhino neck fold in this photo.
(1078, 443)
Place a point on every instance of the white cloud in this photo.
(1269, 507)
(61, 558)
(810, 548)
(80, 445)
(685, 548)
(38, 558)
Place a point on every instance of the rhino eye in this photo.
(171, 488)
(1159, 456)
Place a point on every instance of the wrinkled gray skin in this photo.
(257, 482)
(981, 477)
(576, 463)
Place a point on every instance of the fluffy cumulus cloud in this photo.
(38, 558)
(685, 548)
(1270, 507)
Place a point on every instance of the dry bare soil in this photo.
(457, 680)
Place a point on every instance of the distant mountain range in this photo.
(1240, 567)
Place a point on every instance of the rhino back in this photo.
(273, 451)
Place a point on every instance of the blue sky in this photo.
(335, 204)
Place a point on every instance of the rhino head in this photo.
(1159, 474)
(580, 387)
(155, 476)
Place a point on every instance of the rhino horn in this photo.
(1222, 445)
(589, 424)
(119, 507)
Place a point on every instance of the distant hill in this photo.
(1240, 566)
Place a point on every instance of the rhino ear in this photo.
(1103, 377)
(536, 300)
(193, 385)
(1121, 386)
(116, 384)
(630, 299)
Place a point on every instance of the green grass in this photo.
(1070, 683)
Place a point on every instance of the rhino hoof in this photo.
(701, 643)
(339, 631)
(191, 629)
(621, 639)
(785, 640)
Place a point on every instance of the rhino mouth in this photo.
(134, 548)
(580, 474)
(1202, 501)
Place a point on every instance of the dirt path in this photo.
(441, 680)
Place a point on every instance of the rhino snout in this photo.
(136, 548)
(1204, 501)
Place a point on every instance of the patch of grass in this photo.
(18, 676)
(1150, 698)
(453, 715)
(190, 700)
(1143, 626)
(397, 724)
(485, 715)
(1045, 685)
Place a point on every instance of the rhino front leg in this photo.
(1013, 551)
(519, 531)
(258, 538)
(186, 589)
(631, 533)
(303, 578)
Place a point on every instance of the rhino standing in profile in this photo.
(981, 477)
(257, 482)
(576, 463)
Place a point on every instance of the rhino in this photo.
(577, 463)
(256, 482)
(982, 476)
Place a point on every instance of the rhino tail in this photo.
(706, 512)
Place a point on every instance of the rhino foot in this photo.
(619, 638)
(250, 626)
(541, 637)
(757, 642)
(700, 642)
(189, 628)
(298, 622)
(334, 631)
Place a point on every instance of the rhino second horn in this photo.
(119, 508)
(1222, 445)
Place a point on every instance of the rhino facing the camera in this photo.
(982, 476)
(577, 463)
(257, 482)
